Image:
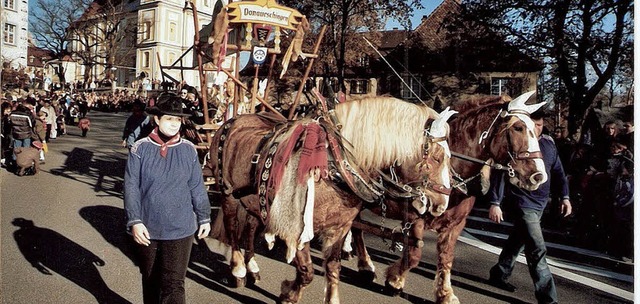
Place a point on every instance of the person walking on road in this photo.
(165, 202)
(136, 126)
(527, 232)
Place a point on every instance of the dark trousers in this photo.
(163, 265)
(47, 135)
(527, 234)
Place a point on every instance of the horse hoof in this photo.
(253, 278)
(238, 282)
(367, 276)
(347, 256)
(390, 290)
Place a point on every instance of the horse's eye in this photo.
(518, 128)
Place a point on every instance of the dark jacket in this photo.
(22, 123)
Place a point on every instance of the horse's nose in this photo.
(537, 178)
(440, 206)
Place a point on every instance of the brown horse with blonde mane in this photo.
(321, 200)
(490, 134)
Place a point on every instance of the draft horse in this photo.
(490, 134)
(305, 200)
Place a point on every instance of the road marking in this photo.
(556, 270)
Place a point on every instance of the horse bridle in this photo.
(525, 155)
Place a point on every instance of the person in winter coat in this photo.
(165, 202)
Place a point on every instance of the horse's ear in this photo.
(485, 176)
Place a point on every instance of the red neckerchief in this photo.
(164, 146)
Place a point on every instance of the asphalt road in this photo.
(63, 241)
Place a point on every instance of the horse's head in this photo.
(435, 167)
(516, 144)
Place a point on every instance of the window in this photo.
(9, 33)
(359, 86)
(506, 86)
(10, 4)
(414, 84)
(147, 29)
(171, 57)
(147, 26)
(363, 61)
(173, 31)
(146, 59)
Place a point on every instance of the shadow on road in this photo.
(105, 174)
(50, 252)
(205, 267)
(428, 271)
(110, 222)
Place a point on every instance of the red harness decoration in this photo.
(282, 157)
(314, 153)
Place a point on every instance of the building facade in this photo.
(15, 32)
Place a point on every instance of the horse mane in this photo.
(383, 130)
(478, 101)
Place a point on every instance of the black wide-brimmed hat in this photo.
(168, 104)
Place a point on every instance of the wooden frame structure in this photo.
(247, 19)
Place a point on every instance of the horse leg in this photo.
(236, 263)
(332, 266)
(366, 269)
(249, 255)
(448, 234)
(397, 272)
(291, 291)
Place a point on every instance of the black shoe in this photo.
(502, 285)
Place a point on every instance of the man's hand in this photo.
(204, 230)
(565, 208)
(141, 234)
(495, 214)
(124, 143)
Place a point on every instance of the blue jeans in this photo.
(163, 265)
(527, 234)
(17, 143)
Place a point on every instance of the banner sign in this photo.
(263, 11)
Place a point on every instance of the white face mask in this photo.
(169, 125)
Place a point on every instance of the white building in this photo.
(15, 29)
(166, 32)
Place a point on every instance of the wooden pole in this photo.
(201, 73)
(242, 85)
(268, 88)
(292, 110)
(254, 89)
(237, 91)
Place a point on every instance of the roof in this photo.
(430, 31)
(40, 56)
(490, 53)
(391, 39)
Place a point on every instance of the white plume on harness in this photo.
(438, 128)
(519, 109)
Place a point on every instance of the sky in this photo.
(429, 6)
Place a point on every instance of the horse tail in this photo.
(218, 230)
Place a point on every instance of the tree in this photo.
(104, 35)
(584, 42)
(345, 19)
(48, 23)
(101, 32)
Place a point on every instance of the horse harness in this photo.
(525, 155)
(260, 152)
